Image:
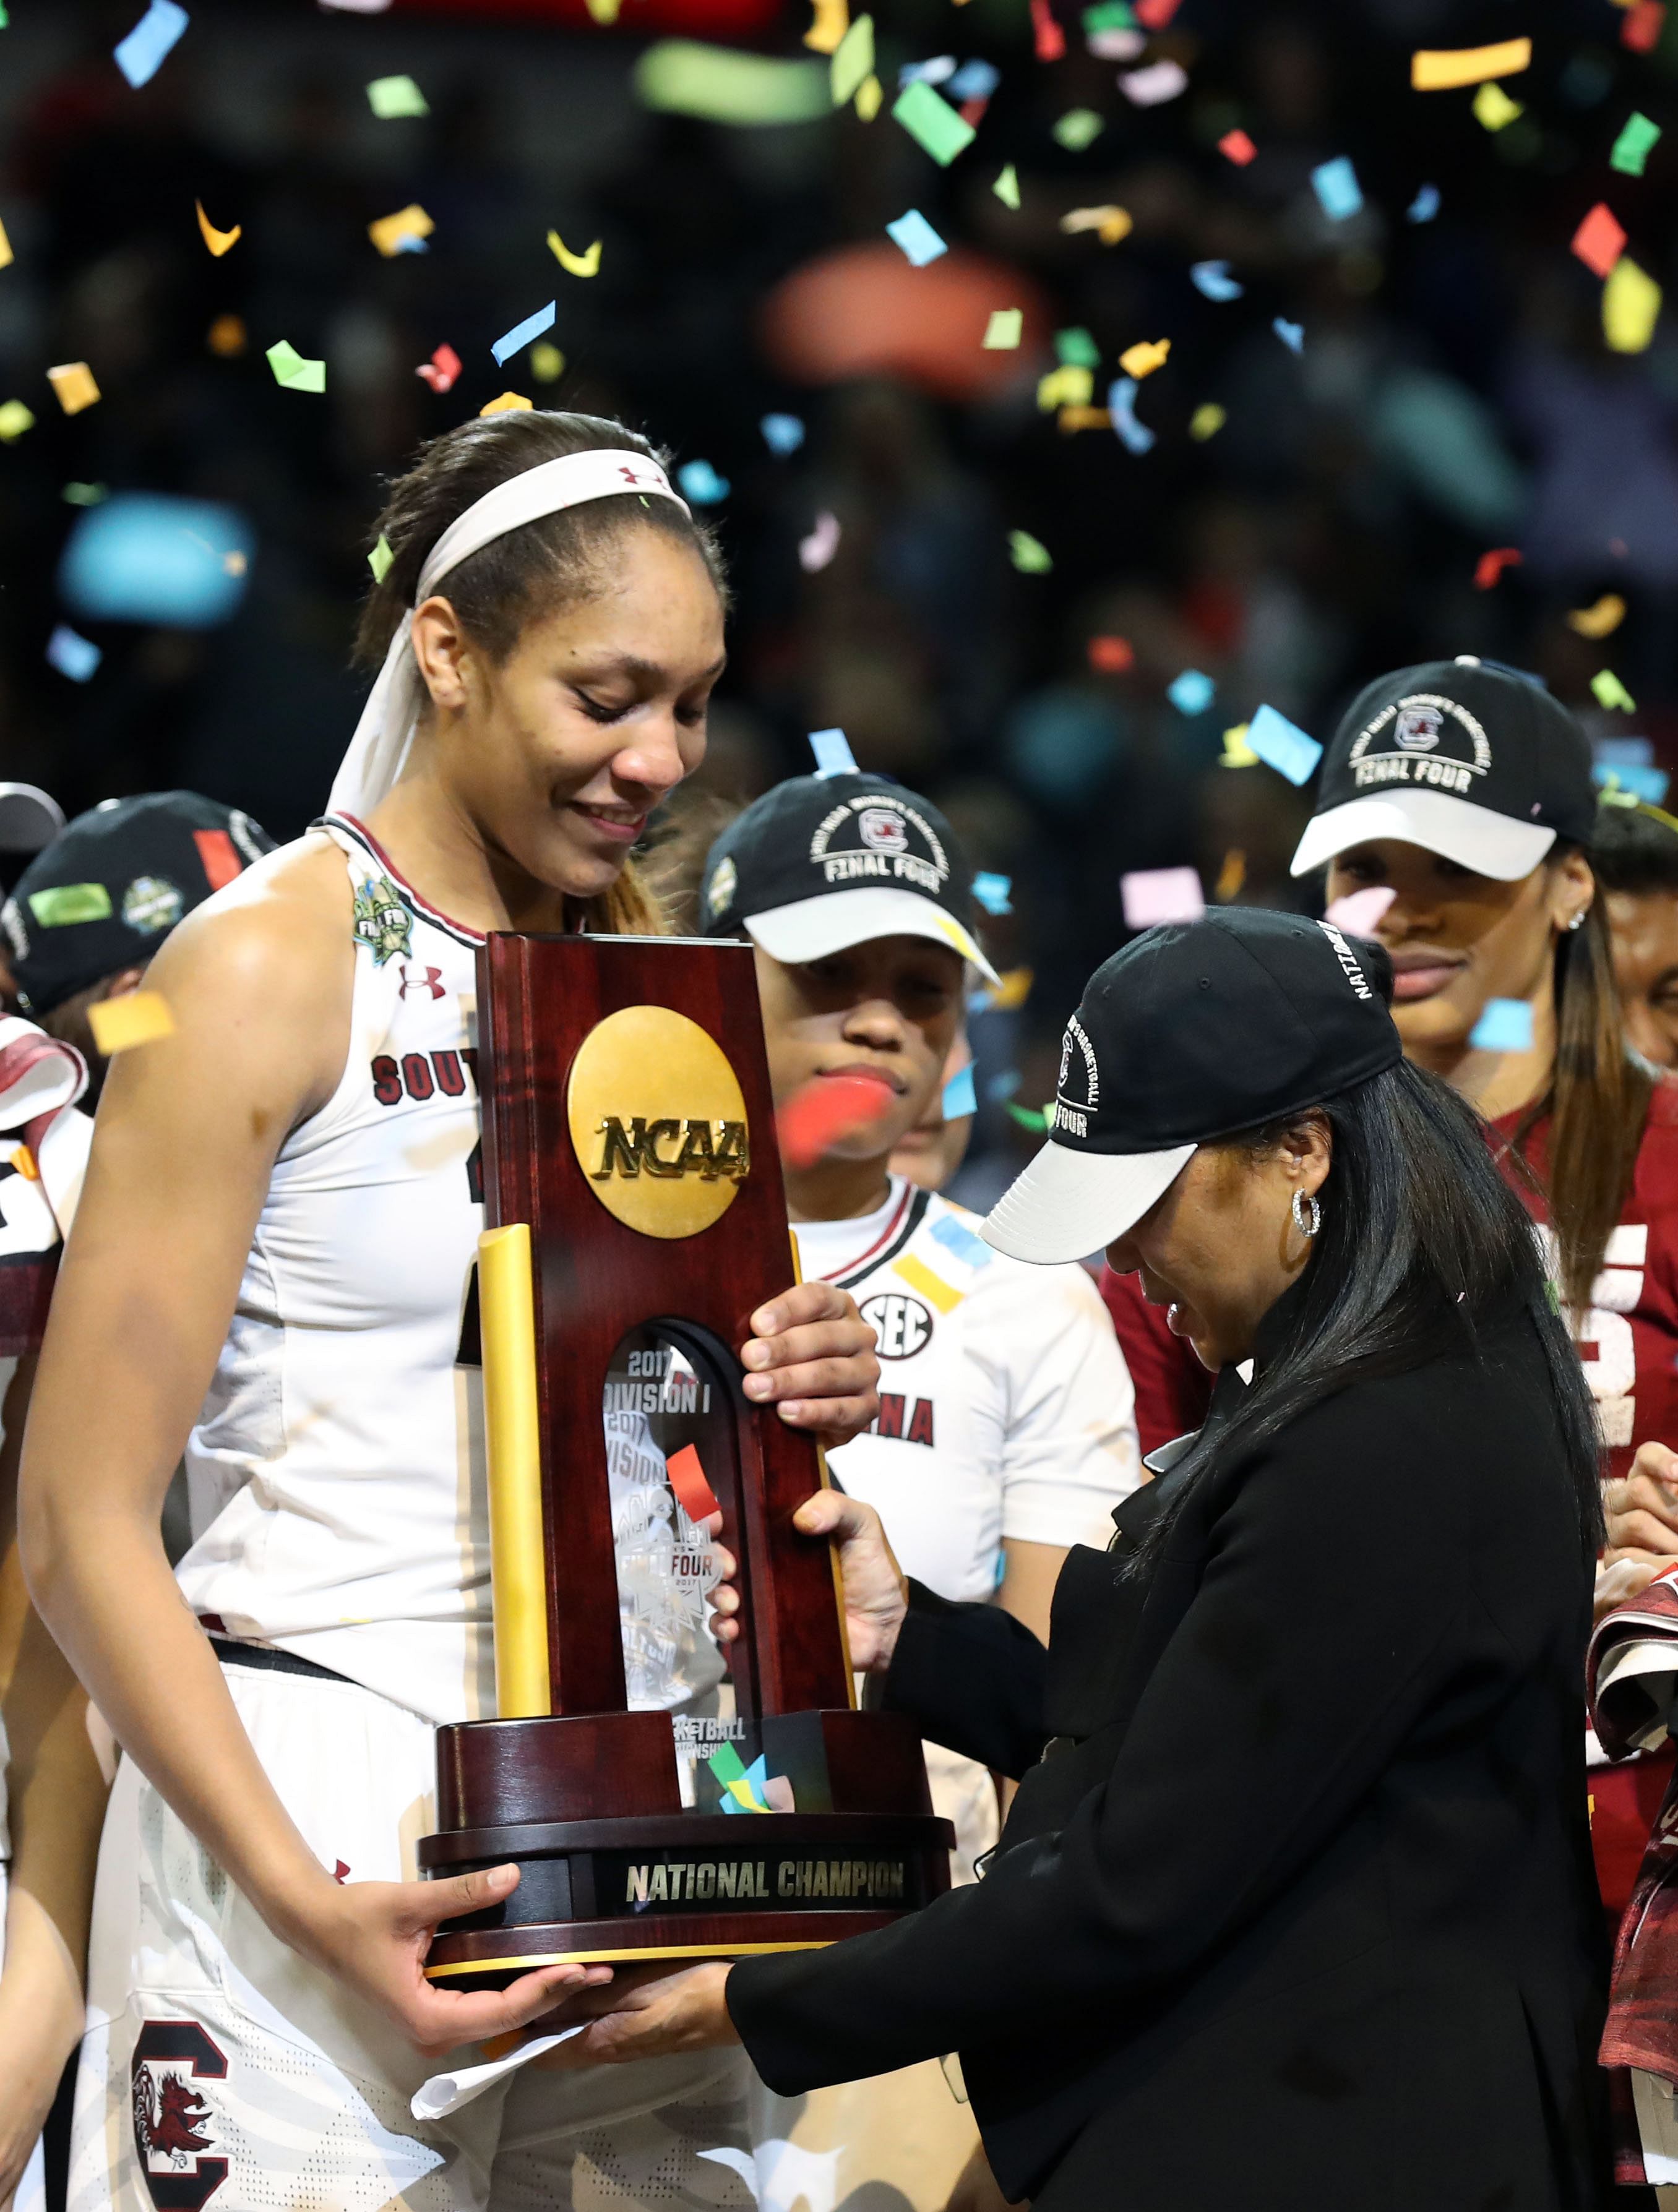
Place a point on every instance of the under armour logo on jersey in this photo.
(428, 979)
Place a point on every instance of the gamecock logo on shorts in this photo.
(171, 2119)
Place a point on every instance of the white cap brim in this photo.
(811, 928)
(1068, 1204)
(1474, 837)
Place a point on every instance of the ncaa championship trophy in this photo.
(633, 1182)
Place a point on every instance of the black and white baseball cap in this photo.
(1471, 761)
(1194, 1031)
(825, 862)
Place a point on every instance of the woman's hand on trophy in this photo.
(1641, 1509)
(812, 1358)
(648, 2013)
(876, 1594)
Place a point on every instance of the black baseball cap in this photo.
(824, 862)
(1471, 761)
(112, 885)
(1194, 1031)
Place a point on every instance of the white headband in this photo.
(378, 750)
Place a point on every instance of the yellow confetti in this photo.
(1002, 330)
(1443, 71)
(869, 94)
(547, 363)
(7, 256)
(1084, 418)
(833, 20)
(1231, 876)
(1011, 990)
(576, 264)
(1112, 223)
(73, 381)
(1207, 420)
(227, 336)
(1494, 108)
(14, 419)
(1631, 304)
(218, 242)
(1069, 387)
(234, 564)
(506, 405)
(1601, 619)
(137, 1018)
(945, 1295)
(1238, 753)
(388, 233)
(604, 11)
(1144, 357)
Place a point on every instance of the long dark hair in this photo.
(1421, 1242)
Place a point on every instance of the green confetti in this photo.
(1007, 187)
(1110, 16)
(392, 97)
(65, 903)
(15, 419)
(932, 122)
(291, 369)
(381, 558)
(1632, 148)
(87, 494)
(1036, 1123)
(852, 61)
(1076, 349)
(1002, 331)
(680, 76)
(1028, 555)
(1611, 692)
(1079, 128)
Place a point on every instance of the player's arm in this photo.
(1029, 1572)
(258, 984)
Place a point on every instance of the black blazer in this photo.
(1297, 1909)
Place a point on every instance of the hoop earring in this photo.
(1306, 1228)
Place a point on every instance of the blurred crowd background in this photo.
(1452, 394)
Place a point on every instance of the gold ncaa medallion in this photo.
(658, 1122)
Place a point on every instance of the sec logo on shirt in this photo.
(903, 1325)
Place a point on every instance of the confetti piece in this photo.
(870, 94)
(992, 891)
(1292, 335)
(85, 495)
(1601, 619)
(1424, 206)
(1443, 71)
(783, 433)
(604, 11)
(1134, 436)
(687, 1478)
(826, 1110)
(1075, 348)
(1207, 420)
(7, 256)
(816, 550)
(1232, 875)
(1072, 385)
(1632, 148)
(1010, 994)
(1236, 146)
(381, 558)
(392, 98)
(1007, 187)
(680, 76)
(291, 369)
(1494, 108)
(141, 53)
(1028, 555)
(575, 265)
(1153, 86)
(226, 337)
(15, 419)
(1609, 691)
(1111, 656)
(1145, 356)
(508, 403)
(1002, 331)
(218, 242)
(1281, 744)
(547, 363)
(1156, 895)
(1359, 912)
(1036, 1123)
(932, 123)
(1641, 30)
(1599, 242)
(1238, 753)
(832, 749)
(941, 68)
(1049, 39)
(853, 60)
(521, 333)
(831, 20)
(1078, 128)
(1505, 1026)
(1213, 280)
(137, 1018)
(1639, 783)
(700, 483)
(1631, 306)
(154, 558)
(917, 238)
(77, 657)
(441, 370)
(1155, 14)
(395, 233)
(73, 382)
(1192, 692)
(1491, 565)
(1113, 223)
(960, 1098)
(778, 1796)
(974, 81)
(1071, 419)
(1338, 192)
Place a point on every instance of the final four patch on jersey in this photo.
(381, 921)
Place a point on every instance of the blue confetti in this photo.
(1644, 783)
(1616, 751)
(959, 1100)
(72, 654)
(992, 891)
(1505, 1026)
(1424, 206)
(700, 483)
(917, 238)
(1214, 280)
(140, 54)
(411, 242)
(151, 557)
(783, 433)
(953, 1235)
(974, 81)
(833, 753)
(1283, 745)
(933, 72)
(1191, 693)
(1336, 184)
(1136, 436)
(521, 333)
(1003, 1086)
(1292, 335)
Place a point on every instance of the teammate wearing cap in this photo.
(1635, 856)
(1005, 1432)
(270, 1269)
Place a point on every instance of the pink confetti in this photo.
(1154, 895)
(816, 550)
(1359, 912)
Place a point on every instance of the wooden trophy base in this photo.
(588, 1808)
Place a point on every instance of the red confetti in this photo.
(1641, 30)
(1236, 146)
(221, 863)
(831, 1107)
(1599, 242)
(440, 371)
(1111, 655)
(1154, 14)
(1051, 39)
(687, 1478)
(1491, 565)
(972, 112)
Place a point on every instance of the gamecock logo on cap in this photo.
(1417, 728)
(882, 831)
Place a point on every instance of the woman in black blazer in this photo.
(1294, 1908)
